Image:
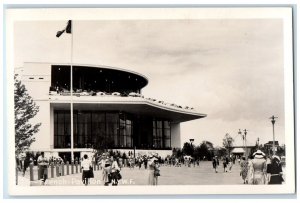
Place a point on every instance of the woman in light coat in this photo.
(152, 179)
(259, 167)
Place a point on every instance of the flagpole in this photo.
(71, 85)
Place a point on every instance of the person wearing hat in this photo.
(244, 169)
(115, 171)
(60, 165)
(107, 170)
(229, 163)
(85, 166)
(249, 178)
(152, 180)
(259, 167)
(26, 162)
(275, 171)
(102, 165)
(225, 164)
(215, 164)
(145, 162)
(43, 167)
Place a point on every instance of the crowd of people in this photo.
(258, 169)
(110, 164)
(227, 163)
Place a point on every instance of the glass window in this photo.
(128, 137)
(167, 124)
(93, 129)
(60, 78)
(157, 134)
(112, 130)
(62, 129)
(161, 134)
(167, 134)
(159, 124)
(98, 130)
(125, 132)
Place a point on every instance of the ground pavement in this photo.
(198, 175)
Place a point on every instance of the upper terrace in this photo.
(96, 78)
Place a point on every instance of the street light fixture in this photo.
(273, 123)
(240, 133)
(245, 133)
(191, 141)
(244, 136)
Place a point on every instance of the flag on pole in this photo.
(68, 29)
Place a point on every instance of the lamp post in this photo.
(245, 133)
(191, 141)
(258, 143)
(244, 136)
(273, 123)
(240, 133)
(69, 29)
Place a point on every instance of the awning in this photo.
(238, 151)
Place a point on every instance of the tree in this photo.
(220, 151)
(25, 109)
(188, 149)
(208, 144)
(228, 142)
(177, 152)
(204, 150)
(281, 150)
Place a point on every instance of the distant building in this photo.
(240, 148)
(269, 146)
(270, 143)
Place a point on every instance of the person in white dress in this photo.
(86, 165)
(115, 171)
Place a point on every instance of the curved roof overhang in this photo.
(137, 106)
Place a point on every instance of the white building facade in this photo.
(109, 111)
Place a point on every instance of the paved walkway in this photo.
(199, 175)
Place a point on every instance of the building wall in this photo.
(42, 137)
(37, 79)
(175, 135)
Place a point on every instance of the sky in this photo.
(231, 70)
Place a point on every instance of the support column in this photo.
(175, 135)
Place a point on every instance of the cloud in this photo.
(231, 70)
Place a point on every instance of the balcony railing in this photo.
(118, 94)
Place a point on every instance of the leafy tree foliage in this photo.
(204, 150)
(25, 109)
(220, 151)
(177, 152)
(208, 144)
(228, 142)
(188, 149)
